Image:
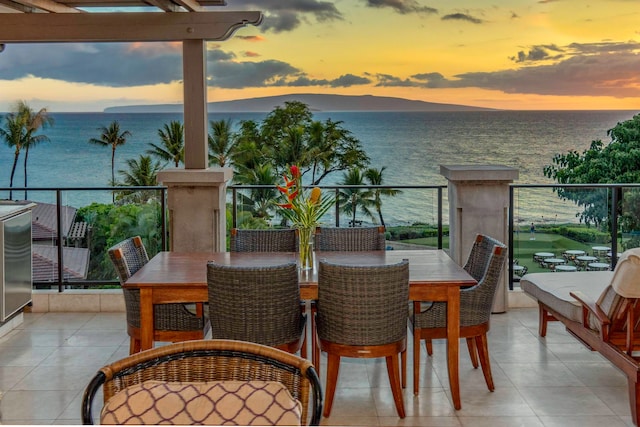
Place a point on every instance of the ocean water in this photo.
(411, 145)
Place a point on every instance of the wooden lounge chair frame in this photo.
(610, 326)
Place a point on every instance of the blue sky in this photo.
(516, 54)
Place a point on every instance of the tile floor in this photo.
(46, 363)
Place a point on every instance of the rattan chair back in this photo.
(269, 240)
(210, 360)
(259, 304)
(362, 312)
(362, 305)
(476, 302)
(128, 257)
(350, 239)
(478, 259)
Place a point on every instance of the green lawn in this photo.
(524, 248)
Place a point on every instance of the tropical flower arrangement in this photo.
(304, 211)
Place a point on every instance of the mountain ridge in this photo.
(316, 102)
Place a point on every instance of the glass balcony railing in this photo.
(579, 227)
(571, 221)
(73, 227)
(412, 215)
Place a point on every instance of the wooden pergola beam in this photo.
(15, 6)
(48, 5)
(122, 27)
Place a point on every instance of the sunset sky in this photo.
(507, 54)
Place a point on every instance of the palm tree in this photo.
(261, 200)
(142, 172)
(221, 143)
(172, 138)
(111, 137)
(374, 176)
(32, 121)
(352, 199)
(13, 134)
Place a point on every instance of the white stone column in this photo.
(197, 208)
(479, 204)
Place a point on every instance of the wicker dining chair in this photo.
(476, 265)
(481, 252)
(207, 372)
(350, 239)
(259, 304)
(268, 240)
(476, 302)
(362, 312)
(172, 322)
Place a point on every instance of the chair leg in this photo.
(634, 398)
(542, 326)
(134, 346)
(315, 346)
(303, 349)
(473, 352)
(429, 344)
(403, 367)
(416, 362)
(394, 379)
(333, 367)
(483, 352)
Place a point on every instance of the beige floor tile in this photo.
(551, 374)
(46, 363)
(501, 422)
(582, 421)
(567, 401)
(32, 406)
(420, 421)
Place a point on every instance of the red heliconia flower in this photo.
(285, 205)
(295, 171)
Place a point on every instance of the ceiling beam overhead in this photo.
(190, 5)
(46, 5)
(18, 7)
(122, 27)
(166, 5)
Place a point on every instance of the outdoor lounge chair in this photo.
(601, 309)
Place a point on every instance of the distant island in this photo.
(316, 102)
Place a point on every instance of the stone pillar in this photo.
(479, 204)
(197, 208)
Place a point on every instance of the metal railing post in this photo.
(510, 235)
(163, 217)
(440, 218)
(59, 231)
(614, 225)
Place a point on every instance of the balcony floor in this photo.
(47, 361)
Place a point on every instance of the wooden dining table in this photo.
(181, 277)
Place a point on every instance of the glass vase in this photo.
(305, 242)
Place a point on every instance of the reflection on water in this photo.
(411, 145)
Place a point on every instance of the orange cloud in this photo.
(250, 54)
(254, 39)
(147, 48)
